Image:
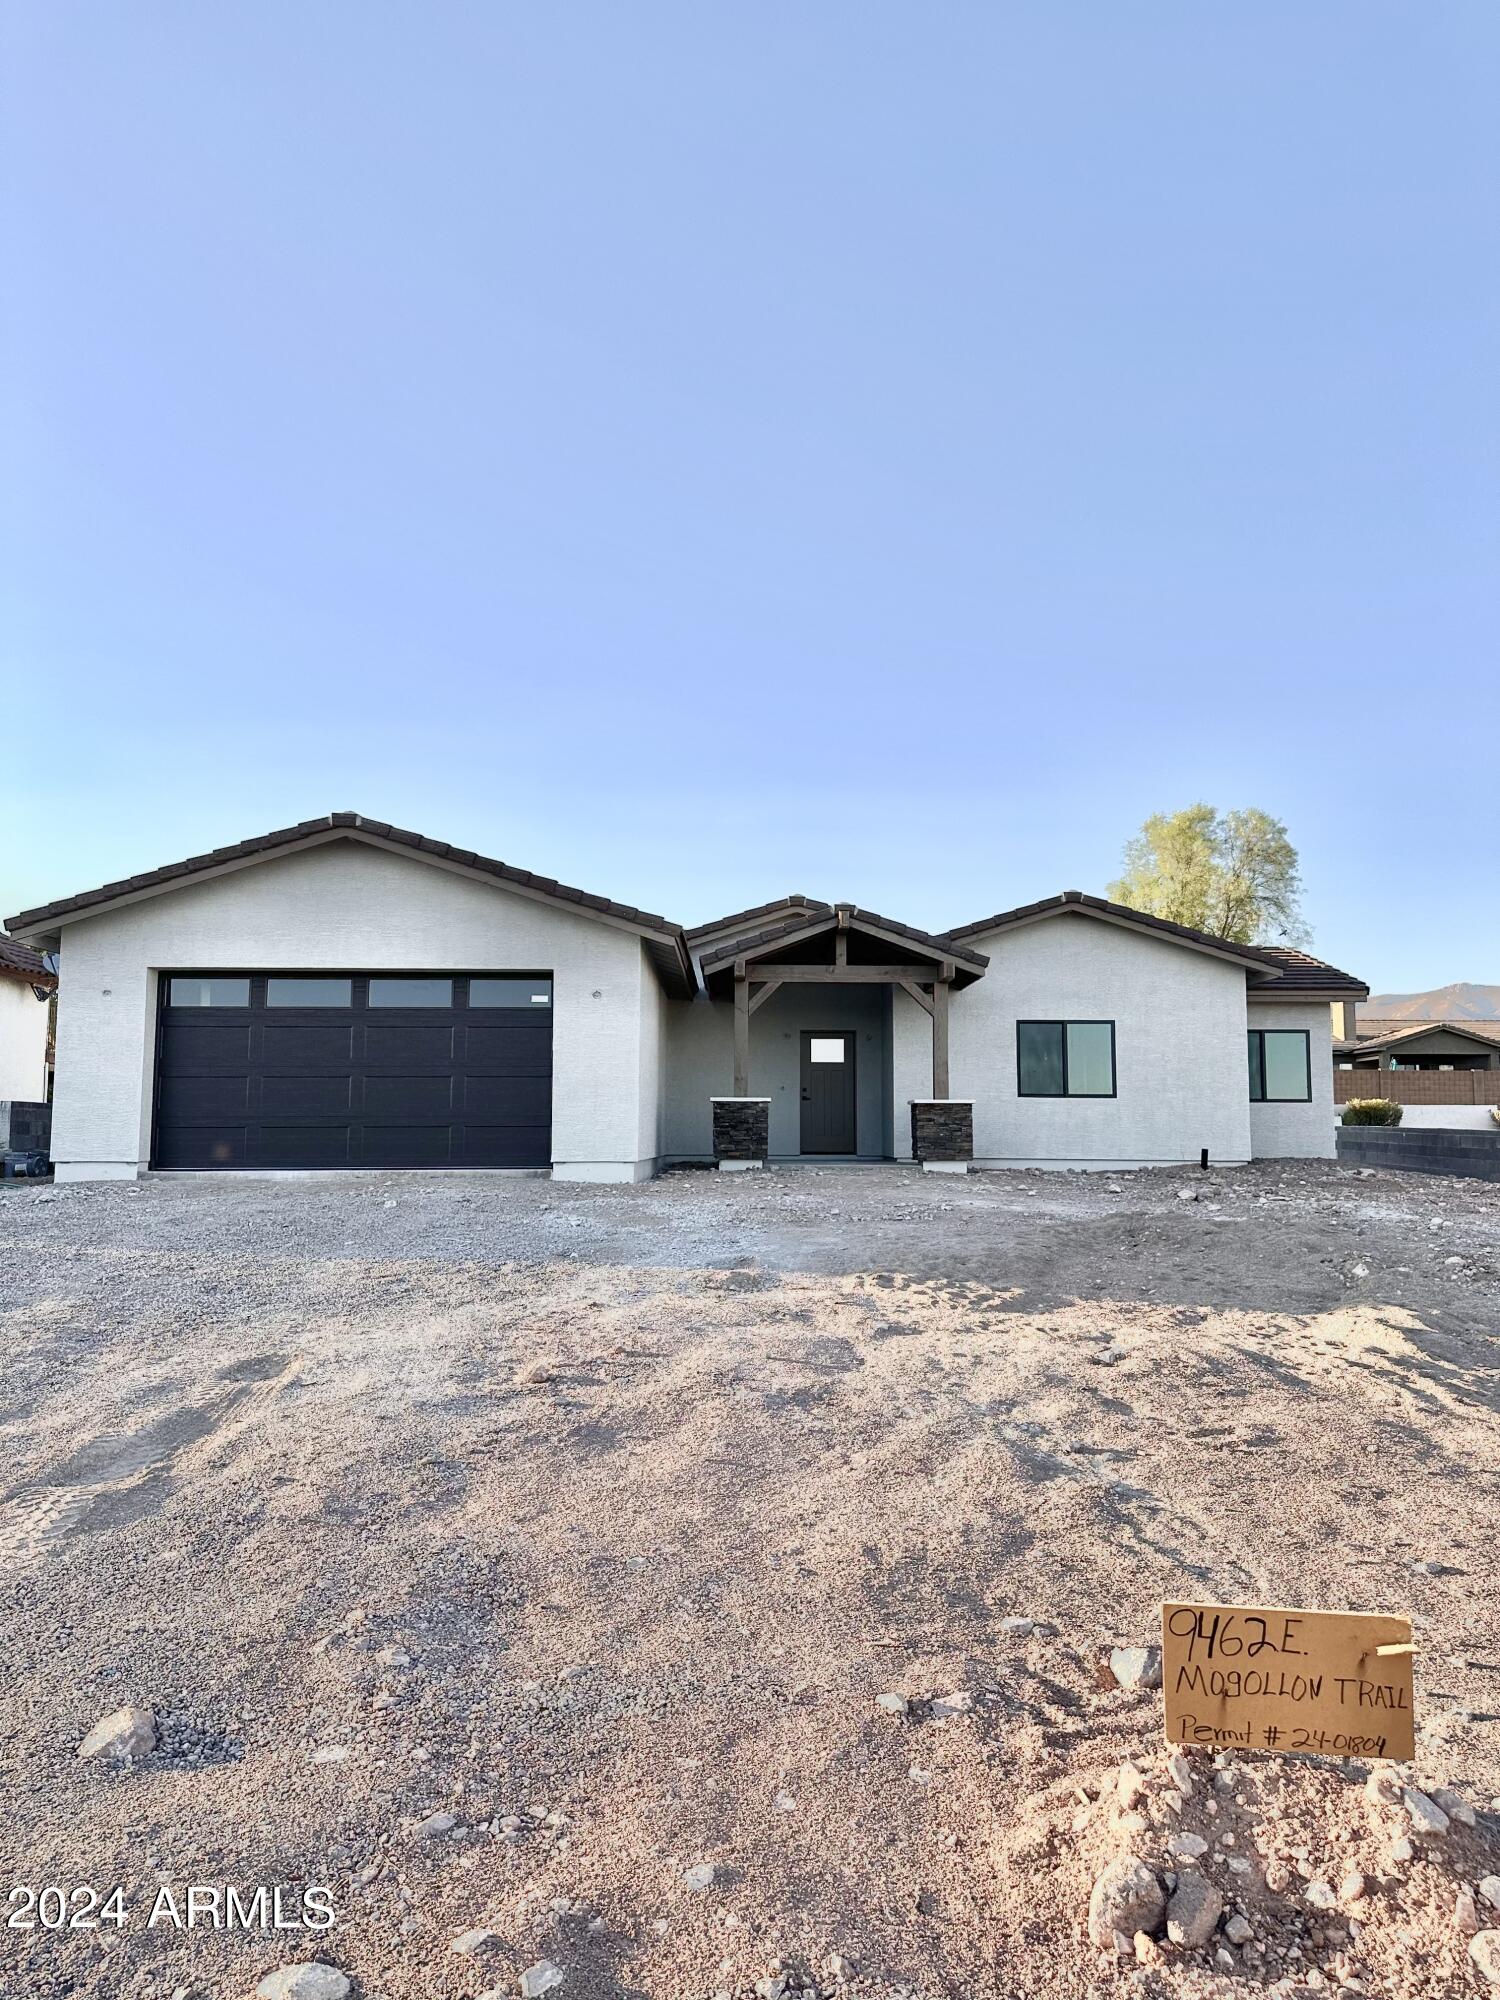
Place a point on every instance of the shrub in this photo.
(1371, 1111)
(1495, 1113)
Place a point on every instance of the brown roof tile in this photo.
(19, 961)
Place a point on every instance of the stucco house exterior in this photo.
(344, 994)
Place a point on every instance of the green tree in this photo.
(1233, 875)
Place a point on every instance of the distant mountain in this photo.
(1460, 1002)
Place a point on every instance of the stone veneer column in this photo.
(742, 1131)
(942, 1133)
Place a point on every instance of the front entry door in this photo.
(827, 1092)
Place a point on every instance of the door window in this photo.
(826, 1049)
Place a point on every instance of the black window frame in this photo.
(1078, 1096)
(1259, 1035)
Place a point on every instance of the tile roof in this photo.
(287, 836)
(939, 947)
(19, 961)
(1379, 1028)
(1294, 969)
(1074, 899)
(1411, 1030)
(1299, 969)
(792, 902)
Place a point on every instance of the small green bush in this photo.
(1371, 1111)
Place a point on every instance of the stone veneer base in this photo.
(742, 1130)
(942, 1130)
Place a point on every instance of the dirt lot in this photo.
(598, 1518)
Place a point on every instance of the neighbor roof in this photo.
(1371, 1043)
(670, 936)
(18, 961)
(1379, 1029)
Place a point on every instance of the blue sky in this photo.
(704, 452)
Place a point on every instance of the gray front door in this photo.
(828, 1092)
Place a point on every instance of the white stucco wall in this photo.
(1179, 1049)
(652, 1098)
(700, 1065)
(349, 905)
(23, 1044)
(1296, 1131)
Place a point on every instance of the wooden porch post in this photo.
(940, 1038)
(741, 1033)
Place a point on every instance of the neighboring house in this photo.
(1422, 1045)
(26, 988)
(346, 994)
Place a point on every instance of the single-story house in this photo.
(1440, 1045)
(345, 994)
(26, 989)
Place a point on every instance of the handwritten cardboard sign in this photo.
(1315, 1682)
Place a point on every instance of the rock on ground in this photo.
(123, 1736)
(1126, 1898)
(1194, 1910)
(312, 1981)
(1136, 1666)
(543, 1977)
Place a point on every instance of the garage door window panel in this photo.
(199, 992)
(529, 995)
(410, 993)
(308, 992)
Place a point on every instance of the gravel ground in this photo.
(594, 1520)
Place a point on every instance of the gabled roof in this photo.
(1258, 957)
(670, 953)
(1273, 967)
(1372, 1044)
(813, 922)
(744, 918)
(1379, 1028)
(18, 961)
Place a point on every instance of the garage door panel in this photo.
(204, 1100)
(192, 1046)
(507, 1100)
(292, 1045)
(337, 1087)
(507, 1145)
(407, 1146)
(399, 1099)
(428, 1047)
(198, 1147)
(295, 1146)
(296, 1097)
(522, 1050)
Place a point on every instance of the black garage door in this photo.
(363, 1069)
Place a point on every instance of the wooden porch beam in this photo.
(741, 1035)
(843, 975)
(940, 994)
(763, 993)
(918, 995)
